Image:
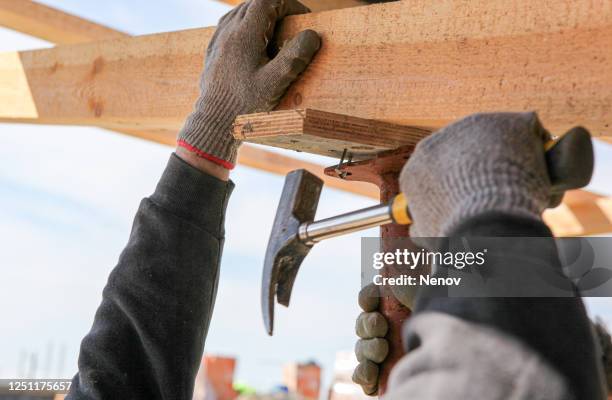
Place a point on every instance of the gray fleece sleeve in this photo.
(148, 335)
(492, 348)
(457, 359)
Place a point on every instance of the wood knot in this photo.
(96, 107)
(97, 66)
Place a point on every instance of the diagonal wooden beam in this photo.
(51, 24)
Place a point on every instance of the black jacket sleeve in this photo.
(557, 328)
(148, 335)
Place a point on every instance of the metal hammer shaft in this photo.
(396, 211)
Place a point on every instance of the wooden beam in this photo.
(407, 62)
(582, 213)
(325, 133)
(155, 64)
(317, 5)
(58, 27)
(51, 24)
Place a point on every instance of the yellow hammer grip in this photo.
(399, 210)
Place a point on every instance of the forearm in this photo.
(148, 334)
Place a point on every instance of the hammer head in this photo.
(285, 252)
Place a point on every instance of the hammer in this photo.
(294, 232)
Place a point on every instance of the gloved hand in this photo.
(240, 78)
(372, 348)
(485, 162)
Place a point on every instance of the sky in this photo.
(67, 199)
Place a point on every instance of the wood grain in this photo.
(44, 22)
(416, 63)
(325, 133)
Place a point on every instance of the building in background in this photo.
(304, 380)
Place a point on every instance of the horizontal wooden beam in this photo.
(51, 24)
(581, 213)
(325, 133)
(407, 62)
(272, 162)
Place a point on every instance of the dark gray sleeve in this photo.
(459, 359)
(148, 334)
(556, 329)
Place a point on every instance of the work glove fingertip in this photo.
(369, 298)
(369, 390)
(366, 373)
(371, 325)
(291, 60)
(302, 47)
(375, 350)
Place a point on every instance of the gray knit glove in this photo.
(372, 348)
(485, 162)
(240, 78)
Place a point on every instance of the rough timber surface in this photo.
(325, 133)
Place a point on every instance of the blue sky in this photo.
(67, 199)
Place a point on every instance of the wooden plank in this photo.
(428, 63)
(51, 24)
(317, 5)
(416, 63)
(325, 133)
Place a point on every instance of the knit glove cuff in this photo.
(208, 130)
